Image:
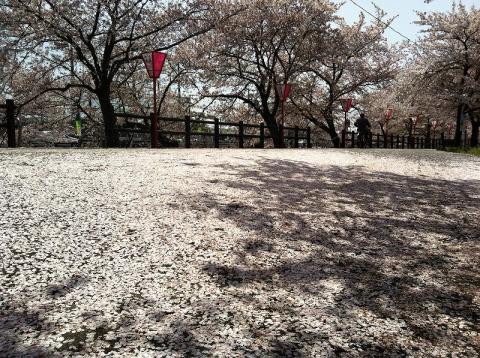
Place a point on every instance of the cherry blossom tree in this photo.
(62, 57)
(356, 60)
(448, 58)
(262, 47)
(414, 109)
(93, 45)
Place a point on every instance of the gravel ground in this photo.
(239, 253)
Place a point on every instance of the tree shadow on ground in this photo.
(402, 248)
(342, 246)
(62, 289)
(15, 319)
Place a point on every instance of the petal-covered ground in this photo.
(239, 253)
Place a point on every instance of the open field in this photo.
(239, 253)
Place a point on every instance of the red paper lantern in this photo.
(154, 63)
(284, 91)
(389, 113)
(347, 103)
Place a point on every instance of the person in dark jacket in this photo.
(363, 126)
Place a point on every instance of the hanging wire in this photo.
(383, 22)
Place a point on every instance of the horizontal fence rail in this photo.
(216, 130)
(221, 133)
(294, 136)
(391, 141)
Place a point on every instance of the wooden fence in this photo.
(243, 131)
(9, 122)
(294, 136)
(351, 140)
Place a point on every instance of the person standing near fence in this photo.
(363, 126)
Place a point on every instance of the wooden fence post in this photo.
(296, 137)
(153, 131)
(421, 143)
(216, 137)
(442, 140)
(240, 134)
(385, 141)
(343, 144)
(378, 140)
(391, 141)
(353, 139)
(281, 131)
(262, 135)
(309, 141)
(188, 132)
(398, 141)
(10, 114)
(403, 142)
(370, 139)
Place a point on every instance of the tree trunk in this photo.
(458, 129)
(109, 120)
(428, 135)
(332, 132)
(20, 136)
(274, 130)
(382, 129)
(475, 130)
(409, 125)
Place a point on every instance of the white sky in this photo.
(405, 9)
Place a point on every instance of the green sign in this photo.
(78, 125)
